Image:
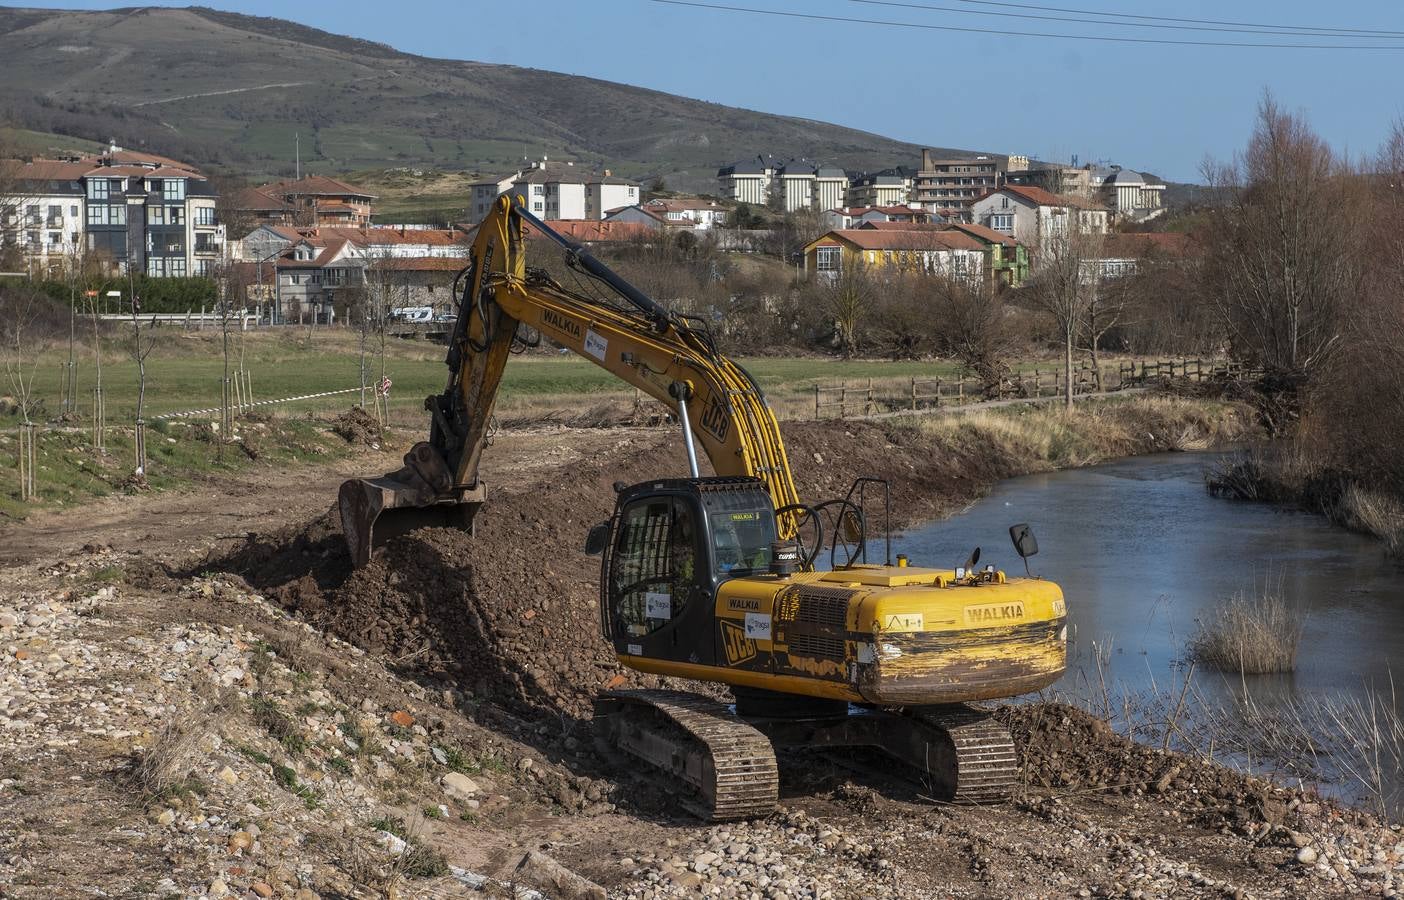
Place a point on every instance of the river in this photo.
(1143, 552)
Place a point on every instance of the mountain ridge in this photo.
(230, 91)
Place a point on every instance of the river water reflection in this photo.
(1142, 551)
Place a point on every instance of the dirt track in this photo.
(492, 641)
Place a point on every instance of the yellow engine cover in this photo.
(894, 636)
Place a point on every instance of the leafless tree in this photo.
(969, 322)
(140, 351)
(1064, 287)
(848, 298)
(13, 199)
(21, 336)
(1283, 260)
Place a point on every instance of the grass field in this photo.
(186, 368)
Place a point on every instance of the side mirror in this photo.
(597, 539)
(1025, 544)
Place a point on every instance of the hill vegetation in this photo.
(230, 91)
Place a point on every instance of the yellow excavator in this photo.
(719, 578)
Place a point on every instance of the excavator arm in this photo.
(667, 356)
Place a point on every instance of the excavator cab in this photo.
(668, 547)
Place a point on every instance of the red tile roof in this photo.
(140, 156)
(433, 237)
(595, 231)
(328, 254)
(44, 169)
(901, 226)
(1040, 197)
(421, 264)
(982, 233)
(258, 200)
(908, 239)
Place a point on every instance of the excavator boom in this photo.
(665, 355)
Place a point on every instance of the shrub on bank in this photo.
(1252, 635)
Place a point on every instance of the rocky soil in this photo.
(243, 716)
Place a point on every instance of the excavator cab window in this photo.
(741, 542)
(653, 570)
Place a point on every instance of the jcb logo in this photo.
(738, 647)
(715, 419)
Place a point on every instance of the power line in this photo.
(1093, 12)
(854, 20)
(1084, 21)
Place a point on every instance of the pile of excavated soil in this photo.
(1064, 749)
(510, 613)
(356, 426)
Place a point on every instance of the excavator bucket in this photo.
(419, 495)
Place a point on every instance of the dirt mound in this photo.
(1069, 750)
(510, 613)
(356, 426)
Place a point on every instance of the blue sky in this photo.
(1156, 107)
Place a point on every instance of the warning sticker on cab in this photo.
(595, 345)
(903, 622)
(658, 605)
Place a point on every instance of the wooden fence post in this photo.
(960, 389)
(913, 393)
(868, 404)
(816, 401)
(843, 402)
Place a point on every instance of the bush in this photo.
(158, 295)
(1250, 635)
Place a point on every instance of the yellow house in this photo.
(928, 250)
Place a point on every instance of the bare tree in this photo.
(1064, 287)
(140, 351)
(968, 318)
(847, 298)
(13, 199)
(1282, 260)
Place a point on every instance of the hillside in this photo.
(226, 90)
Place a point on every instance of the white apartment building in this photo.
(801, 183)
(555, 191)
(748, 181)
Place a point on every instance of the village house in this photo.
(315, 270)
(1006, 260)
(693, 212)
(852, 217)
(309, 201)
(136, 210)
(945, 253)
(1035, 218)
(555, 191)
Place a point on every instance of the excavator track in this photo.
(727, 766)
(983, 767)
